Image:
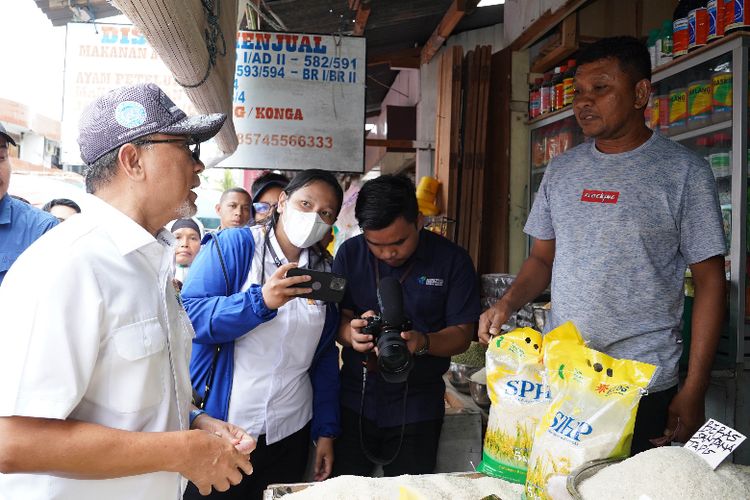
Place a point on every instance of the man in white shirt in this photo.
(95, 344)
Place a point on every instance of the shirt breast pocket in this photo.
(129, 377)
(430, 303)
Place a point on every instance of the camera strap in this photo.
(377, 272)
(372, 458)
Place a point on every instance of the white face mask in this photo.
(303, 229)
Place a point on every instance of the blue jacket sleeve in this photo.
(220, 315)
(324, 375)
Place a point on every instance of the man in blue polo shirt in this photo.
(20, 223)
(398, 424)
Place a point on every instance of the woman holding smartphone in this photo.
(263, 357)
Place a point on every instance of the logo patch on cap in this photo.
(130, 114)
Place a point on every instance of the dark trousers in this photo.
(651, 419)
(280, 462)
(417, 455)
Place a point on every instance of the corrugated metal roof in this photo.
(61, 12)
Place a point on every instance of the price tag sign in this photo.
(714, 442)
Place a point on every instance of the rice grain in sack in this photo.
(519, 399)
(591, 415)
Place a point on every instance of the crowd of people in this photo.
(153, 363)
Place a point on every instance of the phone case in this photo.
(328, 287)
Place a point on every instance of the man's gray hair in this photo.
(101, 172)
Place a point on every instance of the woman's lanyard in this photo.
(274, 256)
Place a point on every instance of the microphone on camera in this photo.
(391, 301)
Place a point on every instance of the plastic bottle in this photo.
(699, 104)
(720, 158)
(715, 10)
(544, 94)
(556, 80)
(721, 93)
(538, 148)
(568, 87)
(535, 103)
(565, 137)
(704, 147)
(677, 110)
(665, 43)
(663, 113)
(697, 25)
(653, 35)
(680, 29)
(737, 15)
(560, 88)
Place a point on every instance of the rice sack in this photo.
(592, 412)
(519, 398)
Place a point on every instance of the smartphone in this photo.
(325, 286)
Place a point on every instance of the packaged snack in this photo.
(592, 412)
(519, 398)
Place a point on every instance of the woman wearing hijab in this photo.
(263, 358)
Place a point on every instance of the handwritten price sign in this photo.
(714, 442)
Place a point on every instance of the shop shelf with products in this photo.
(702, 102)
(710, 117)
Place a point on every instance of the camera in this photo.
(394, 359)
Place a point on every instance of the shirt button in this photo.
(147, 341)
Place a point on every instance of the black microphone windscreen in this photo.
(391, 301)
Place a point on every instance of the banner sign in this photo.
(100, 57)
(299, 102)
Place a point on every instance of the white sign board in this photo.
(714, 442)
(299, 102)
(100, 57)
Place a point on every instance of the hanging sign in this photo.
(299, 102)
(100, 57)
(714, 442)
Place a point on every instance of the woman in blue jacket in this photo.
(263, 358)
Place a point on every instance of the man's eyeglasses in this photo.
(262, 207)
(193, 147)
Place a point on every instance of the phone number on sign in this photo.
(284, 140)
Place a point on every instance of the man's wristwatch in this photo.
(194, 414)
(426, 347)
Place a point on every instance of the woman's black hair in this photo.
(61, 201)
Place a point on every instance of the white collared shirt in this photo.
(271, 389)
(93, 330)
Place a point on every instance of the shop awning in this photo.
(196, 41)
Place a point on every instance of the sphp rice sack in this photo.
(519, 399)
(592, 413)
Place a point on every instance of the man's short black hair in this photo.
(234, 190)
(628, 51)
(384, 199)
(65, 202)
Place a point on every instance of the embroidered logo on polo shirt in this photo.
(596, 196)
(424, 280)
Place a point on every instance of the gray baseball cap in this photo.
(5, 134)
(124, 114)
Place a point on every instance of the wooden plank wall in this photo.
(471, 141)
(496, 209)
(447, 123)
(474, 134)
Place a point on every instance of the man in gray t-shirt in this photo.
(616, 222)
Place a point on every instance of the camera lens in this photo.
(394, 359)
